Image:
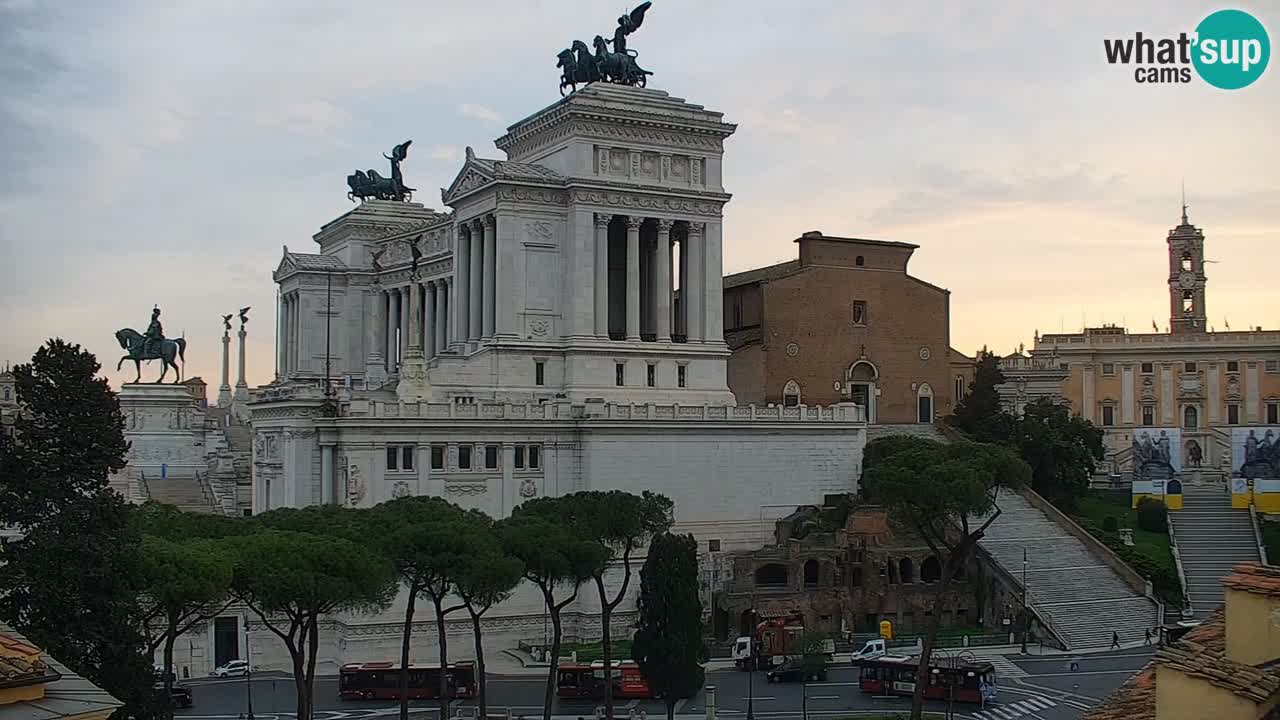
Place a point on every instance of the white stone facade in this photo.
(560, 330)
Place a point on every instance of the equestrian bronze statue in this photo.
(578, 66)
(371, 185)
(152, 345)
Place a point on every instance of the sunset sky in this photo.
(161, 152)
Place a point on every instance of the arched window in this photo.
(924, 404)
(1188, 302)
(1190, 417)
(859, 261)
(906, 571)
(6, 394)
(791, 394)
(772, 575)
(930, 570)
(1186, 260)
(811, 573)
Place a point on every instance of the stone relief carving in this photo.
(400, 489)
(470, 181)
(666, 168)
(465, 488)
(355, 486)
(647, 202)
(539, 328)
(603, 165)
(695, 171)
(539, 231)
(528, 488)
(533, 195)
(1233, 385)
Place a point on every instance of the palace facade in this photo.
(1215, 396)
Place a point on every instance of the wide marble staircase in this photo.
(1212, 538)
(189, 494)
(1078, 594)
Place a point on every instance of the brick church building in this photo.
(844, 323)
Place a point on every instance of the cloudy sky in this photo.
(162, 152)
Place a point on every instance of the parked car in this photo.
(796, 668)
(232, 669)
(181, 695)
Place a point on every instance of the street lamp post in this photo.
(804, 677)
(1025, 619)
(248, 671)
(751, 665)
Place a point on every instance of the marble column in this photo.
(224, 390)
(662, 304)
(282, 343)
(242, 388)
(695, 296)
(475, 303)
(393, 325)
(633, 277)
(490, 274)
(462, 277)
(444, 326)
(374, 326)
(403, 313)
(712, 283)
(431, 319)
(413, 343)
(328, 485)
(601, 309)
(682, 319)
(293, 332)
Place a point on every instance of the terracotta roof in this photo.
(769, 272)
(1201, 653)
(20, 662)
(66, 695)
(1135, 699)
(1255, 578)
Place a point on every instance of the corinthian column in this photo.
(242, 388)
(490, 274)
(662, 304)
(602, 276)
(432, 320)
(462, 277)
(224, 390)
(475, 304)
(633, 277)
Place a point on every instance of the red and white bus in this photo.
(970, 682)
(381, 681)
(579, 680)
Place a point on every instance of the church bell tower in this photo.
(1186, 278)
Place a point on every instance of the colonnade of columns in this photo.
(649, 311)
(410, 318)
(289, 348)
(476, 269)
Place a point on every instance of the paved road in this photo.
(1049, 691)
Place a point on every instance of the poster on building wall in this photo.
(1255, 452)
(1157, 453)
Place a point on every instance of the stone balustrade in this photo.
(601, 411)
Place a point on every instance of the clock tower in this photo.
(1186, 279)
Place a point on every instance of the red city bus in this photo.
(577, 680)
(381, 681)
(970, 682)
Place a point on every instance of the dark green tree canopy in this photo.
(979, 414)
(1062, 449)
(668, 642)
(293, 574)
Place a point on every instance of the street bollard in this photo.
(711, 702)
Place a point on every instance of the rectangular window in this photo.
(1108, 368)
(491, 457)
(1272, 365)
(1148, 415)
(1273, 413)
(1189, 367)
(651, 375)
(464, 457)
(437, 457)
(247, 512)
(680, 375)
(1063, 366)
(713, 545)
(959, 391)
(1233, 414)
(519, 460)
(393, 458)
(539, 373)
(1148, 368)
(859, 312)
(1108, 415)
(535, 457)
(619, 373)
(406, 457)
(1233, 366)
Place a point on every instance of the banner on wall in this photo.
(1157, 453)
(1255, 452)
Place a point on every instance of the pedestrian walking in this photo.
(1146, 636)
(1115, 640)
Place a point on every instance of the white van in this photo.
(872, 649)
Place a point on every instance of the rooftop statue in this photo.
(152, 346)
(366, 185)
(579, 66)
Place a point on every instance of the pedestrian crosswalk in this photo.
(1014, 711)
